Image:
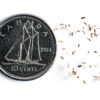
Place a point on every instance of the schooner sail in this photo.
(26, 48)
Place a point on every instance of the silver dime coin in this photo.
(27, 47)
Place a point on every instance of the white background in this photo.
(51, 86)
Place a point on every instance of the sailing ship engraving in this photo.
(26, 48)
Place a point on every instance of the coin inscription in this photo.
(27, 47)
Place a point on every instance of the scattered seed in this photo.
(84, 81)
(60, 41)
(63, 48)
(83, 17)
(61, 24)
(62, 57)
(77, 76)
(83, 32)
(78, 45)
(90, 28)
(83, 27)
(72, 33)
(89, 39)
(95, 51)
(97, 77)
(65, 26)
(55, 29)
(95, 34)
(94, 30)
(98, 28)
(90, 66)
(78, 30)
(91, 35)
(83, 62)
(85, 23)
(74, 72)
(73, 52)
(88, 51)
(68, 65)
(79, 66)
(68, 25)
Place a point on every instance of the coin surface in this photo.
(27, 47)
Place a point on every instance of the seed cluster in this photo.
(90, 34)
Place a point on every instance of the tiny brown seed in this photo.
(73, 52)
(62, 57)
(83, 17)
(95, 51)
(63, 48)
(84, 81)
(85, 23)
(89, 39)
(78, 45)
(83, 62)
(74, 72)
(60, 41)
(77, 76)
(79, 66)
(90, 28)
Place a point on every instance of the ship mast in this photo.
(21, 48)
(30, 48)
(20, 53)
